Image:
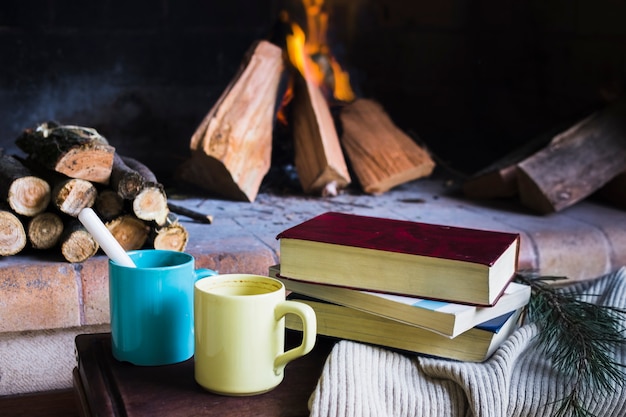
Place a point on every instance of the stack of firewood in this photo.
(69, 168)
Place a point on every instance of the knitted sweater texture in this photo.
(360, 380)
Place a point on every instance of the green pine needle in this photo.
(580, 338)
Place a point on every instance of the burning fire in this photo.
(311, 56)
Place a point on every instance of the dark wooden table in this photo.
(107, 387)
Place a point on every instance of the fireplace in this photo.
(471, 80)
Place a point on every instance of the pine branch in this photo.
(580, 338)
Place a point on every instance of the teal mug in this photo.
(152, 307)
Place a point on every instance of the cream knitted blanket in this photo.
(362, 380)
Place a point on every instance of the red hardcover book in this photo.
(403, 257)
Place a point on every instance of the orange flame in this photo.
(311, 54)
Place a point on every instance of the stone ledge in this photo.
(39, 292)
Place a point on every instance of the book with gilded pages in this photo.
(445, 318)
(425, 260)
(474, 345)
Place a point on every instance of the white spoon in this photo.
(105, 239)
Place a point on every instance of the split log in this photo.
(72, 195)
(576, 163)
(77, 244)
(129, 231)
(318, 156)
(26, 193)
(172, 236)
(45, 230)
(109, 204)
(381, 155)
(12, 233)
(75, 151)
(231, 148)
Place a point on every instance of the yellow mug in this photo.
(240, 333)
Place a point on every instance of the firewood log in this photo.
(381, 155)
(318, 156)
(75, 151)
(172, 236)
(150, 203)
(45, 230)
(500, 178)
(109, 204)
(129, 231)
(576, 163)
(12, 233)
(26, 193)
(231, 148)
(125, 180)
(77, 244)
(72, 195)
(145, 173)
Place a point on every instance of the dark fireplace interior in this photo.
(472, 80)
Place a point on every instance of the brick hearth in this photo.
(40, 292)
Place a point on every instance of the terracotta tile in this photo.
(237, 255)
(569, 248)
(38, 296)
(94, 277)
(609, 222)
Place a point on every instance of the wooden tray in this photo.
(107, 387)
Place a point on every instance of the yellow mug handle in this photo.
(309, 331)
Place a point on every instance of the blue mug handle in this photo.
(203, 273)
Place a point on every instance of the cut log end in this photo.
(173, 237)
(29, 196)
(129, 231)
(109, 204)
(77, 244)
(126, 180)
(12, 234)
(151, 205)
(45, 230)
(73, 195)
(93, 164)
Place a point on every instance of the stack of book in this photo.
(430, 289)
